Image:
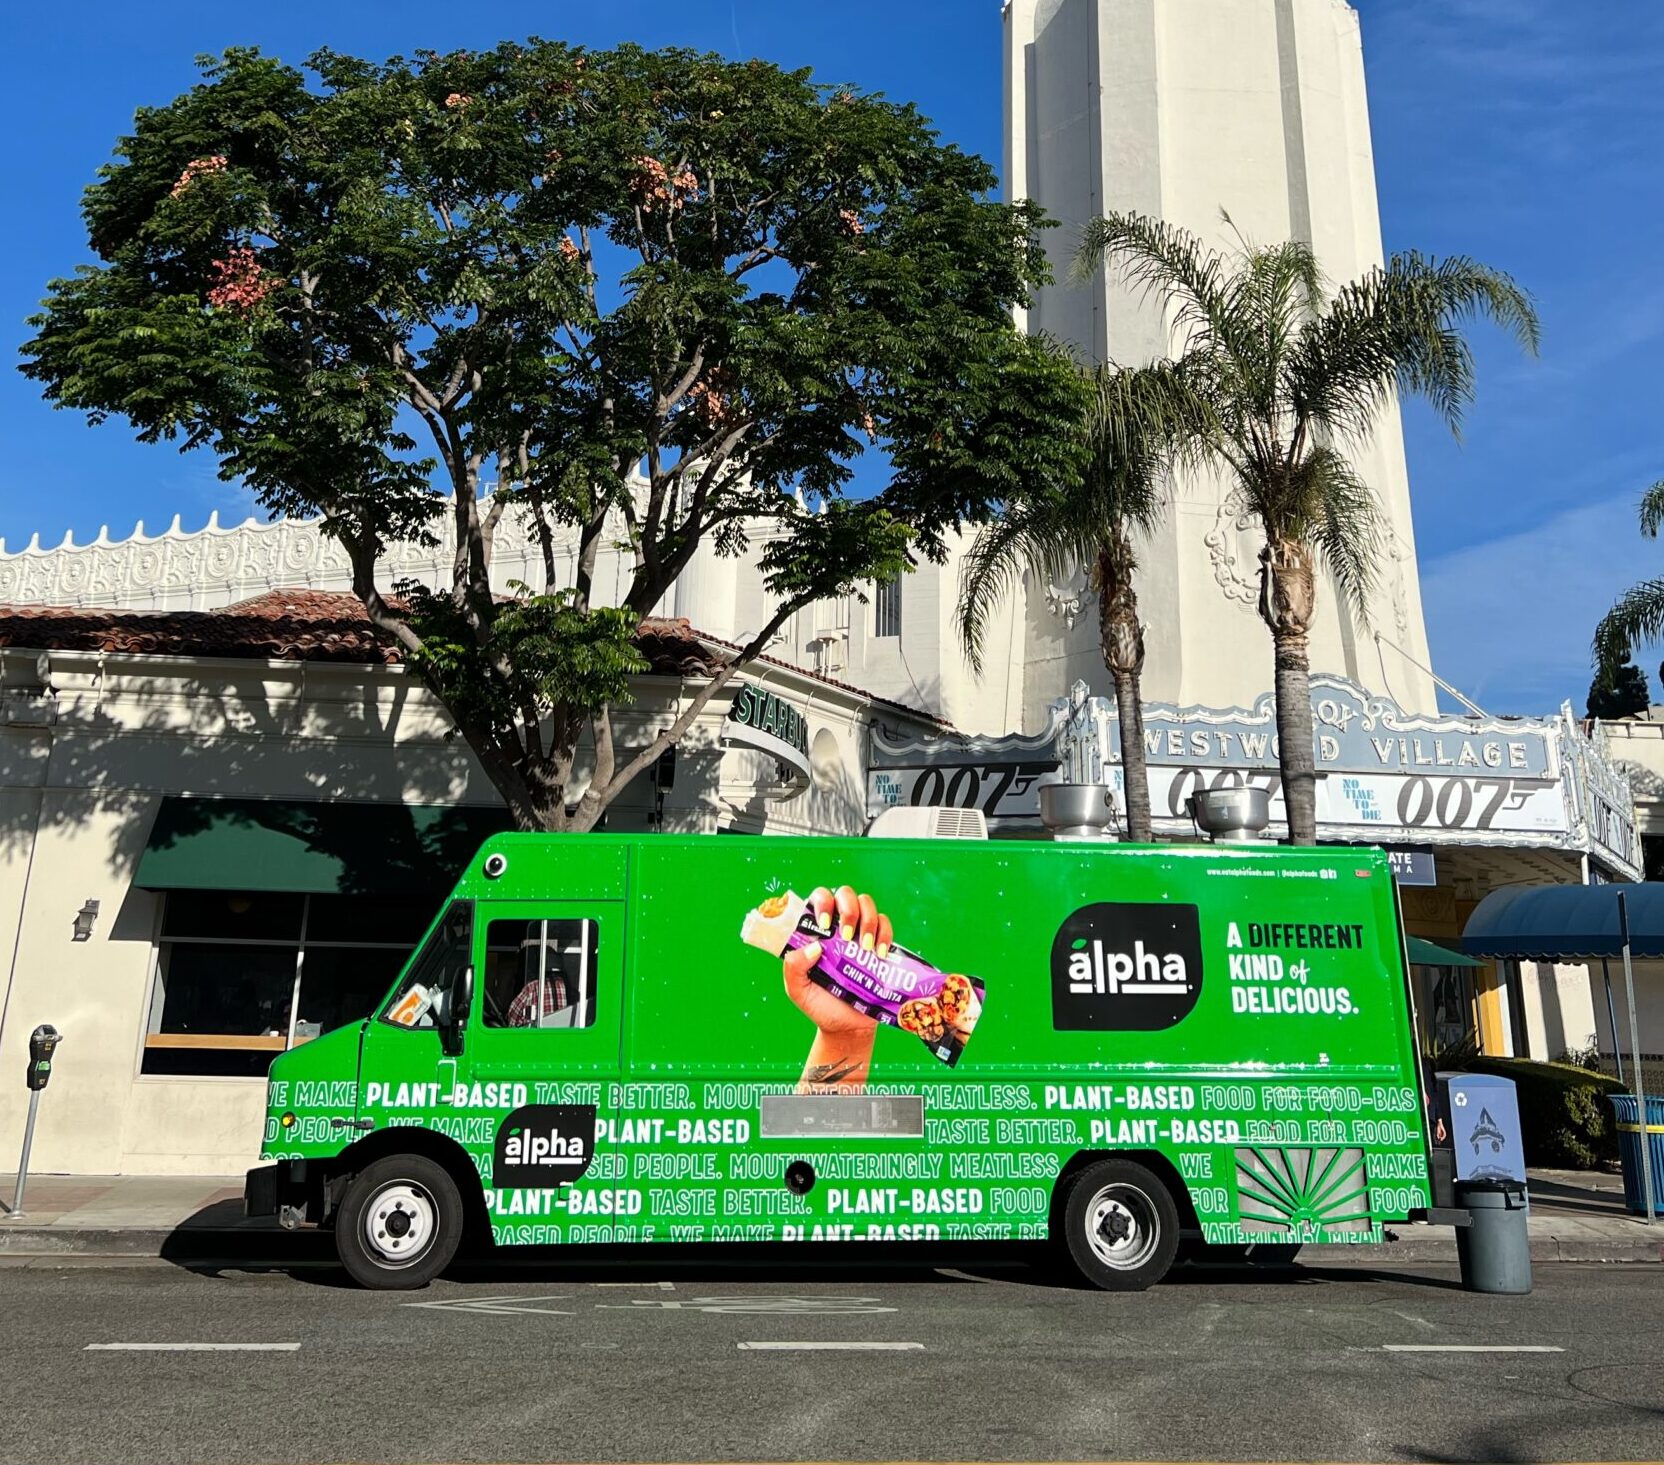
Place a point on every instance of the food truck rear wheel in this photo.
(1120, 1225)
(400, 1223)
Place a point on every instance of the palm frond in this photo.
(1163, 260)
(1134, 418)
(1638, 617)
(1401, 327)
(1343, 522)
(1652, 509)
(1036, 534)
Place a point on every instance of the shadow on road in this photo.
(213, 1243)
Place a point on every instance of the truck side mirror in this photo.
(457, 1002)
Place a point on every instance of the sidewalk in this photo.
(1576, 1216)
(123, 1215)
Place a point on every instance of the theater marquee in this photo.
(1384, 776)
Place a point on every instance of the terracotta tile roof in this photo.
(280, 625)
(323, 625)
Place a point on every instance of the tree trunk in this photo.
(1288, 592)
(1122, 638)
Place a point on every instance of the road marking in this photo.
(662, 1286)
(499, 1306)
(1469, 1348)
(191, 1348)
(796, 1306)
(810, 1347)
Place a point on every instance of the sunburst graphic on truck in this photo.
(1299, 1193)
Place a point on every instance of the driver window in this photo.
(539, 974)
(427, 989)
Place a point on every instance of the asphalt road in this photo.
(663, 1362)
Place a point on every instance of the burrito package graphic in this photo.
(898, 988)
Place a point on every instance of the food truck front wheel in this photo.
(399, 1224)
(1121, 1226)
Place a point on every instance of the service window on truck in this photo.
(540, 973)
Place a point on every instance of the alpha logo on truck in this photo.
(1126, 967)
(542, 1145)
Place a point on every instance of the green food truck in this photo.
(654, 1038)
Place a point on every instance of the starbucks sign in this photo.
(769, 723)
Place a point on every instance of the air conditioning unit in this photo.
(908, 821)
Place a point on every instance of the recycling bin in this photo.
(1487, 1157)
(1629, 1149)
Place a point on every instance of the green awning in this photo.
(1426, 953)
(312, 848)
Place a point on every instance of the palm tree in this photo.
(1639, 614)
(1092, 521)
(1284, 378)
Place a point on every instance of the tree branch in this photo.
(673, 734)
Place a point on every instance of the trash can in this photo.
(1487, 1158)
(1494, 1248)
(1629, 1148)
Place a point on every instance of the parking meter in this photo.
(43, 1043)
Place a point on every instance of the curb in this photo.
(186, 1244)
(1428, 1250)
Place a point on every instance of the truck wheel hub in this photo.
(1122, 1227)
(400, 1223)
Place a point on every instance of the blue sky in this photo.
(1528, 133)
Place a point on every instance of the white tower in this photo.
(1182, 109)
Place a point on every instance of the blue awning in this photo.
(1566, 922)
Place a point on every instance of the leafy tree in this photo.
(1637, 617)
(666, 299)
(1282, 377)
(1621, 692)
(1093, 518)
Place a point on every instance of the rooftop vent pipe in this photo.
(1231, 815)
(1078, 810)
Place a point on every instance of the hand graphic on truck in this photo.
(841, 1054)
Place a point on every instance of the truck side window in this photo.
(539, 974)
(433, 975)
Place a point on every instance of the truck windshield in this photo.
(428, 986)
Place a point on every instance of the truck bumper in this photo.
(270, 1190)
(260, 1191)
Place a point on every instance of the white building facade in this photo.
(1187, 110)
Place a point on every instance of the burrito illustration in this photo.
(897, 988)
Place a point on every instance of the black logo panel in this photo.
(1126, 967)
(543, 1145)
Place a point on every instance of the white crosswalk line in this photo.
(814, 1347)
(1469, 1348)
(191, 1348)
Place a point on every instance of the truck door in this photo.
(550, 989)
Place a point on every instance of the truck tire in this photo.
(400, 1223)
(1120, 1225)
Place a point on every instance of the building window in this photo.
(887, 608)
(242, 976)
